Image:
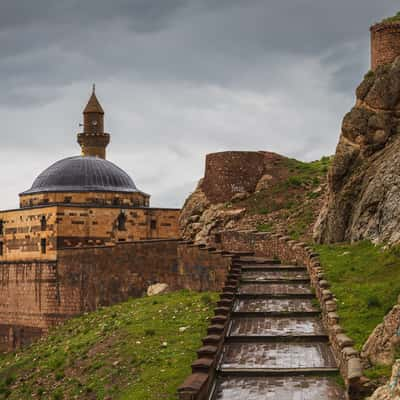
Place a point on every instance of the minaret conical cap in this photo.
(93, 105)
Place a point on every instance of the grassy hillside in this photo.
(140, 349)
(291, 203)
(366, 281)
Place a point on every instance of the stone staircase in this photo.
(276, 346)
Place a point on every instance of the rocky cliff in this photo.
(363, 197)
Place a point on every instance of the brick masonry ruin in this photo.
(385, 43)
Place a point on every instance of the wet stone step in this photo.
(257, 267)
(277, 327)
(278, 388)
(277, 356)
(275, 288)
(274, 275)
(258, 260)
(275, 305)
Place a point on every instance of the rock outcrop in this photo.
(230, 177)
(363, 198)
(390, 391)
(384, 341)
(254, 190)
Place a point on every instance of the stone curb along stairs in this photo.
(273, 246)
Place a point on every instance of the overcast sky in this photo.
(178, 79)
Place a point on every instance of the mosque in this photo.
(82, 201)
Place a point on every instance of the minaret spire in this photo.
(93, 140)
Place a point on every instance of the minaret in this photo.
(93, 140)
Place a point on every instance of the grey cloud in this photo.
(178, 79)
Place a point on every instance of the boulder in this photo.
(157, 288)
(380, 348)
(264, 182)
(390, 391)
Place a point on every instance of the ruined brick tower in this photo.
(385, 42)
(93, 140)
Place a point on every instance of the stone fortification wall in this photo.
(36, 295)
(231, 172)
(385, 43)
(29, 301)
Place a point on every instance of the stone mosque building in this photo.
(82, 201)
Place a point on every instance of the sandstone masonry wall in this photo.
(35, 295)
(72, 225)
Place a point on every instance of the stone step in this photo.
(300, 387)
(266, 372)
(276, 268)
(258, 260)
(269, 327)
(273, 314)
(269, 281)
(276, 356)
(278, 339)
(275, 275)
(274, 296)
(274, 289)
(275, 306)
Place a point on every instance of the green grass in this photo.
(133, 350)
(307, 173)
(394, 18)
(267, 227)
(366, 281)
(378, 371)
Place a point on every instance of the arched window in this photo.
(43, 223)
(121, 221)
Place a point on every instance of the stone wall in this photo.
(202, 268)
(38, 294)
(231, 172)
(292, 251)
(385, 43)
(136, 199)
(29, 300)
(71, 225)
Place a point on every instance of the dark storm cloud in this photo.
(178, 78)
(223, 42)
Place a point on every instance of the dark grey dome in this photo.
(82, 174)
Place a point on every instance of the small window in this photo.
(1, 227)
(43, 245)
(153, 224)
(121, 221)
(116, 201)
(67, 199)
(43, 223)
(1, 249)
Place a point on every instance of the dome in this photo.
(82, 174)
